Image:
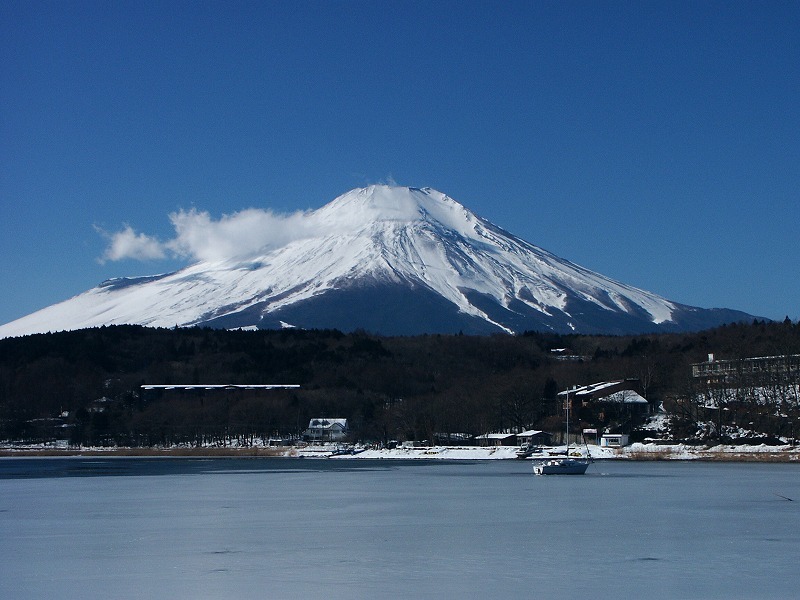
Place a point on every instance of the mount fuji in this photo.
(391, 260)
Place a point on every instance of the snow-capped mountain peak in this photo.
(390, 259)
(382, 204)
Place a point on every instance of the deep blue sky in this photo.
(657, 143)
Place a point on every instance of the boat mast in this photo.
(567, 431)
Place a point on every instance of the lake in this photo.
(299, 528)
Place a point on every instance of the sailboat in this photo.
(566, 465)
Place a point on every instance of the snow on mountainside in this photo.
(394, 260)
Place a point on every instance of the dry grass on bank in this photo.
(706, 455)
(765, 457)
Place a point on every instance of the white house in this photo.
(326, 430)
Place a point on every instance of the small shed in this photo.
(613, 440)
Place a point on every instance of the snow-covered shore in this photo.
(633, 452)
(744, 453)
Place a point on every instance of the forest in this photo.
(86, 386)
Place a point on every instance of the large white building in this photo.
(326, 430)
(772, 368)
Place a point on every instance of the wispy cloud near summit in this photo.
(198, 236)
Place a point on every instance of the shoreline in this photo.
(634, 452)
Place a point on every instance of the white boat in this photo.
(563, 465)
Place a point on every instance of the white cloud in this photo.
(198, 236)
(129, 244)
(244, 233)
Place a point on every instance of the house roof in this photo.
(220, 386)
(494, 436)
(624, 397)
(618, 391)
(530, 433)
(593, 389)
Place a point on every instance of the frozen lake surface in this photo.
(300, 528)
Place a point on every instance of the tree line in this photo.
(86, 385)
